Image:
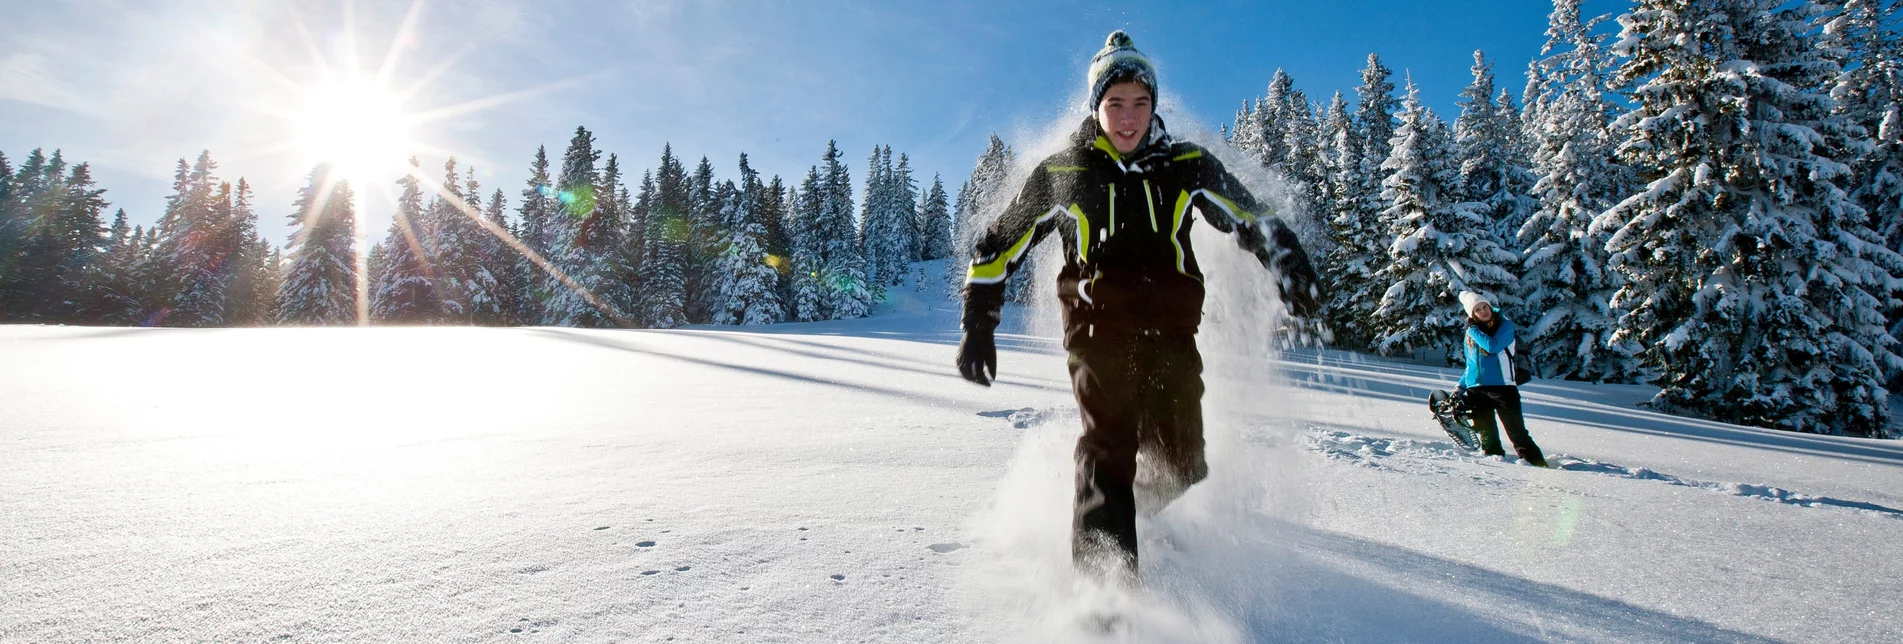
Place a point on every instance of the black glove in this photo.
(1301, 292)
(1281, 252)
(977, 353)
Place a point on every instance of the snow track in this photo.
(1416, 456)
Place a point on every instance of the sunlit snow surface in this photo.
(836, 482)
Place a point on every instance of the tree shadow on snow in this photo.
(911, 395)
(1329, 587)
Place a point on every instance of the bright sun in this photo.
(355, 125)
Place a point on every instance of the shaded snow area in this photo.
(836, 482)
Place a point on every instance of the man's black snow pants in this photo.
(1138, 392)
(1503, 400)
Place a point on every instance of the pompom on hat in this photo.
(1119, 61)
(1469, 298)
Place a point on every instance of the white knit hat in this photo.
(1469, 298)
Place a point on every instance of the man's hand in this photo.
(1301, 292)
(977, 353)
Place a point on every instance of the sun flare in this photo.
(355, 125)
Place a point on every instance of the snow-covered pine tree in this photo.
(604, 240)
(501, 260)
(1752, 282)
(64, 233)
(703, 236)
(189, 250)
(464, 278)
(774, 203)
(904, 206)
(1247, 135)
(934, 223)
(1362, 234)
(974, 198)
(11, 229)
(1441, 247)
(109, 295)
(889, 222)
(1565, 284)
(249, 289)
(808, 237)
(1862, 37)
(747, 278)
(1275, 111)
(663, 264)
(570, 291)
(319, 285)
(538, 210)
(636, 252)
(1490, 175)
(1304, 167)
(875, 233)
(404, 291)
(842, 263)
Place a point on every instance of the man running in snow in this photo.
(1120, 198)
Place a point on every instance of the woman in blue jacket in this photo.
(1489, 382)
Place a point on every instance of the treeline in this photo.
(1709, 199)
(582, 247)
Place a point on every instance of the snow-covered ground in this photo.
(835, 482)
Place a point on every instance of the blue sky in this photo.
(132, 86)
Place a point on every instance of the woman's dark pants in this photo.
(1503, 400)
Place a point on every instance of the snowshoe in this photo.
(1455, 417)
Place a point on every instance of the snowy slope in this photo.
(835, 482)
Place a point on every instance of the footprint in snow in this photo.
(1388, 454)
(1028, 417)
(942, 548)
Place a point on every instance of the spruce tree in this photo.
(249, 288)
(1566, 286)
(703, 235)
(108, 294)
(405, 287)
(664, 262)
(319, 286)
(747, 279)
(601, 242)
(500, 260)
(1361, 233)
(190, 250)
(537, 214)
(64, 233)
(934, 223)
(809, 242)
(1441, 247)
(1752, 281)
(1491, 174)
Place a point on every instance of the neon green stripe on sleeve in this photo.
(1234, 210)
(993, 271)
(1083, 233)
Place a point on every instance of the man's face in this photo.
(1124, 115)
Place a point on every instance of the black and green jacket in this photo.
(1125, 223)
